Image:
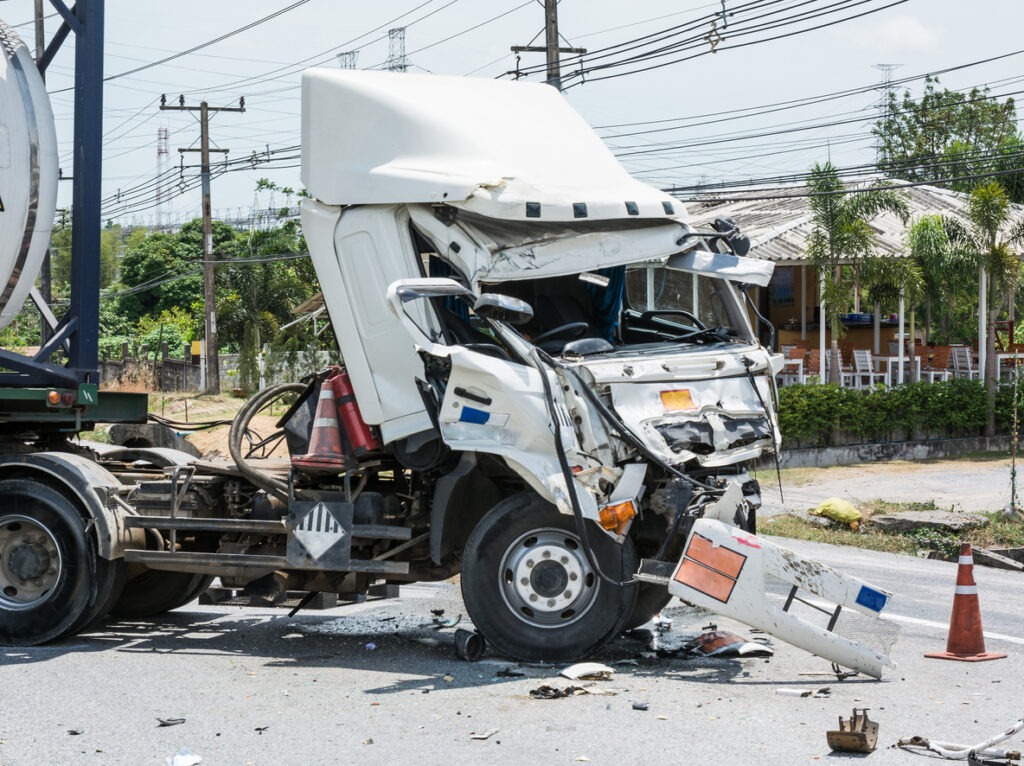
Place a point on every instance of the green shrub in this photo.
(812, 415)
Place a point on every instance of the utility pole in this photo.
(550, 47)
(209, 295)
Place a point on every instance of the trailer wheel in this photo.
(154, 592)
(49, 581)
(529, 586)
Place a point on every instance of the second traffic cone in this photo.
(325, 450)
(966, 641)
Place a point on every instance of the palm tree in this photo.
(841, 237)
(943, 268)
(888, 279)
(987, 238)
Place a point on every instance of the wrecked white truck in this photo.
(551, 385)
(564, 366)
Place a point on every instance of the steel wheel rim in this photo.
(546, 579)
(30, 562)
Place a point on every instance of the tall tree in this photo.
(989, 237)
(948, 134)
(841, 237)
(258, 294)
(945, 272)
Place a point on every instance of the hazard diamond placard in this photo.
(321, 534)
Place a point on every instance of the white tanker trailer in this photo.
(28, 173)
(551, 385)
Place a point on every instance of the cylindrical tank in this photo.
(28, 173)
(359, 434)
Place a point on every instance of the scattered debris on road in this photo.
(982, 752)
(484, 734)
(169, 722)
(547, 692)
(859, 734)
(825, 691)
(588, 671)
(469, 645)
(723, 643)
(184, 757)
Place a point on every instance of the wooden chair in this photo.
(794, 368)
(937, 365)
(963, 363)
(864, 371)
(812, 366)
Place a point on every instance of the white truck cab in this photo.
(564, 362)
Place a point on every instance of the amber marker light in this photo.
(614, 518)
(53, 398)
(677, 399)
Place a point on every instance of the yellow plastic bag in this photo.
(839, 510)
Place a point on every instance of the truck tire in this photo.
(650, 600)
(530, 589)
(154, 592)
(52, 583)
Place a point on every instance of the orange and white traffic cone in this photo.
(325, 450)
(966, 642)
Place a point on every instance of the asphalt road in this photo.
(377, 684)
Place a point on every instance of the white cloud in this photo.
(900, 33)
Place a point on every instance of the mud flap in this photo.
(745, 577)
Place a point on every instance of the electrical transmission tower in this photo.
(396, 50)
(347, 59)
(550, 47)
(884, 107)
(162, 140)
(209, 295)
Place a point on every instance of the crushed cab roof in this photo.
(484, 145)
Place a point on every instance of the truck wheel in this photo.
(154, 592)
(650, 600)
(50, 576)
(530, 589)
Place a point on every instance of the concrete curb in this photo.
(824, 457)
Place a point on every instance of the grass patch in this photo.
(1001, 531)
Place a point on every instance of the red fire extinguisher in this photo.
(360, 436)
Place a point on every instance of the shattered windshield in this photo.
(683, 305)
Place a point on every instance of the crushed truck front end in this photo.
(566, 364)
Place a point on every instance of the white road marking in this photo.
(945, 627)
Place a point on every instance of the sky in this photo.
(702, 118)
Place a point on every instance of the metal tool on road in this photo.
(859, 734)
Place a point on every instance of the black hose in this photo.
(261, 479)
(570, 482)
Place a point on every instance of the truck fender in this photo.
(461, 498)
(91, 486)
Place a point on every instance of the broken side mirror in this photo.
(503, 308)
(738, 243)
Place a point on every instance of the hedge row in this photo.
(816, 415)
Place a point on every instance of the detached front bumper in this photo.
(745, 577)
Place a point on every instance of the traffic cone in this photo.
(325, 450)
(966, 641)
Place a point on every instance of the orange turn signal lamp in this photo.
(615, 518)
